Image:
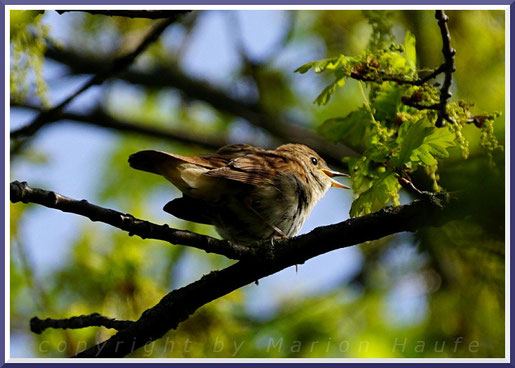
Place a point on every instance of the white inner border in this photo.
(506, 8)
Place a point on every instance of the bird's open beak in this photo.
(334, 183)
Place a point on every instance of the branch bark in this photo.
(39, 325)
(22, 192)
(448, 67)
(258, 261)
(179, 304)
(384, 77)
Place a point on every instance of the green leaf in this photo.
(440, 141)
(421, 142)
(324, 96)
(411, 137)
(386, 102)
(350, 129)
(383, 189)
(304, 68)
(321, 65)
(410, 48)
(397, 62)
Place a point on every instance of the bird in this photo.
(248, 193)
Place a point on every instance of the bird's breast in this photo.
(247, 216)
(286, 204)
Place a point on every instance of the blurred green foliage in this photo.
(27, 47)
(458, 268)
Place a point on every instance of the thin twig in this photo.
(149, 14)
(449, 68)
(22, 192)
(39, 325)
(408, 102)
(384, 77)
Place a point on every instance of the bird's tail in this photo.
(152, 161)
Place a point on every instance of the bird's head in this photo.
(316, 174)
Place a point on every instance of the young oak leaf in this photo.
(350, 129)
(383, 189)
(319, 66)
(386, 102)
(324, 96)
(420, 142)
(410, 49)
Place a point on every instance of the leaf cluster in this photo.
(395, 128)
(28, 44)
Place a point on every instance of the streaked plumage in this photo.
(246, 192)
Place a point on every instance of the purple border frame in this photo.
(235, 2)
(256, 2)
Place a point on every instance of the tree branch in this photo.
(100, 76)
(384, 77)
(39, 325)
(448, 67)
(408, 102)
(258, 261)
(22, 192)
(100, 118)
(149, 14)
(179, 304)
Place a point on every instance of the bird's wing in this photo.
(226, 154)
(257, 168)
(158, 161)
(187, 173)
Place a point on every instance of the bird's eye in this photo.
(314, 160)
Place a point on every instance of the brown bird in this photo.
(247, 193)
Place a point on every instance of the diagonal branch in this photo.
(39, 325)
(21, 192)
(179, 304)
(99, 117)
(257, 262)
(116, 66)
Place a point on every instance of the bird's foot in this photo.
(278, 235)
